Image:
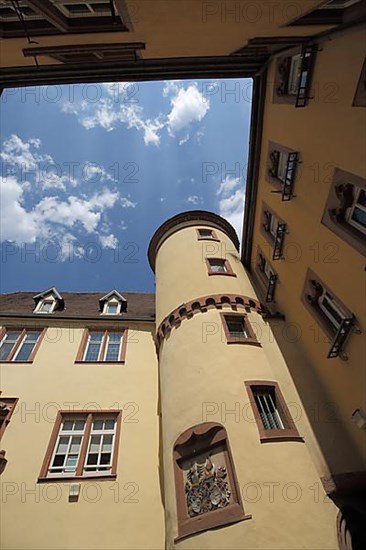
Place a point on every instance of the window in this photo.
(83, 444)
(282, 169)
(333, 316)
(45, 306)
(20, 345)
(293, 76)
(274, 230)
(207, 491)
(103, 346)
(238, 329)
(267, 275)
(345, 210)
(270, 411)
(207, 235)
(330, 310)
(7, 406)
(333, 12)
(113, 307)
(112, 303)
(48, 301)
(293, 79)
(355, 215)
(219, 266)
(90, 8)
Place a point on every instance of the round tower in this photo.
(237, 472)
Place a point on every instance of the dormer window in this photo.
(112, 307)
(45, 306)
(112, 303)
(48, 301)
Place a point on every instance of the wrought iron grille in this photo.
(278, 244)
(341, 337)
(307, 65)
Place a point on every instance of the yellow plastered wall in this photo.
(126, 513)
(202, 380)
(329, 133)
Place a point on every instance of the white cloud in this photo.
(228, 185)
(16, 224)
(108, 241)
(16, 152)
(188, 105)
(22, 158)
(106, 115)
(51, 217)
(127, 203)
(194, 199)
(94, 173)
(232, 208)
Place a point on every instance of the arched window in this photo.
(207, 490)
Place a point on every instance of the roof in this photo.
(79, 304)
(191, 218)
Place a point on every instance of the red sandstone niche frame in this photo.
(195, 452)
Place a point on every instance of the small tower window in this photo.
(206, 234)
(219, 266)
(270, 411)
(237, 329)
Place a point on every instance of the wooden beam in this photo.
(83, 48)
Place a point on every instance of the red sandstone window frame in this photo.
(228, 270)
(5, 419)
(105, 331)
(197, 439)
(230, 339)
(214, 237)
(289, 432)
(82, 457)
(20, 341)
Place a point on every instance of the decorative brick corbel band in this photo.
(201, 305)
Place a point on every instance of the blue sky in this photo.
(88, 172)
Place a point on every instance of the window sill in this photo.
(99, 362)
(208, 239)
(75, 478)
(17, 362)
(250, 341)
(284, 437)
(223, 274)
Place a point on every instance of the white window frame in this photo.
(282, 166)
(87, 471)
(294, 75)
(60, 4)
(267, 270)
(48, 300)
(273, 226)
(105, 335)
(333, 303)
(112, 301)
(67, 433)
(351, 209)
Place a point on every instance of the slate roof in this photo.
(79, 304)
